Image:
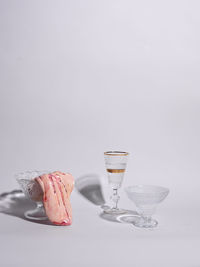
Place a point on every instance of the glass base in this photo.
(129, 217)
(145, 223)
(114, 211)
(37, 214)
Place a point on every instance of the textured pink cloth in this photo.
(57, 188)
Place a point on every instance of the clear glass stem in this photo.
(115, 198)
(40, 208)
(36, 214)
(40, 205)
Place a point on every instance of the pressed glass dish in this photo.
(146, 199)
(33, 191)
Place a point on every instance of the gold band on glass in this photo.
(116, 153)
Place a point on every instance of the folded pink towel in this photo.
(57, 188)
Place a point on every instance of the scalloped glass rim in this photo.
(29, 175)
(147, 189)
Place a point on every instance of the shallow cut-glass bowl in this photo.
(146, 198)
(34, 192)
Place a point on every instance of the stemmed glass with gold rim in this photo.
(115, 162)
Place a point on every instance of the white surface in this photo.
(81, 77)
(92, 241)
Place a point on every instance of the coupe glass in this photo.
(115, 162)
(146, 198)
(33, 191)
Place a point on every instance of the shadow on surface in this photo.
(89, 186)
(15, 203)
(128, 217)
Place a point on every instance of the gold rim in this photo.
(116, 153)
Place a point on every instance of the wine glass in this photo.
(146, 198)
(33, 191)
(115, 162)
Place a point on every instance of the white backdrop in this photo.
(81, 77)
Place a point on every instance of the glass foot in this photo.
(36, 214)
(145, 223)
(128, 218)
(114, 211)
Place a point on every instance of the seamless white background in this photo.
(81, 77)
